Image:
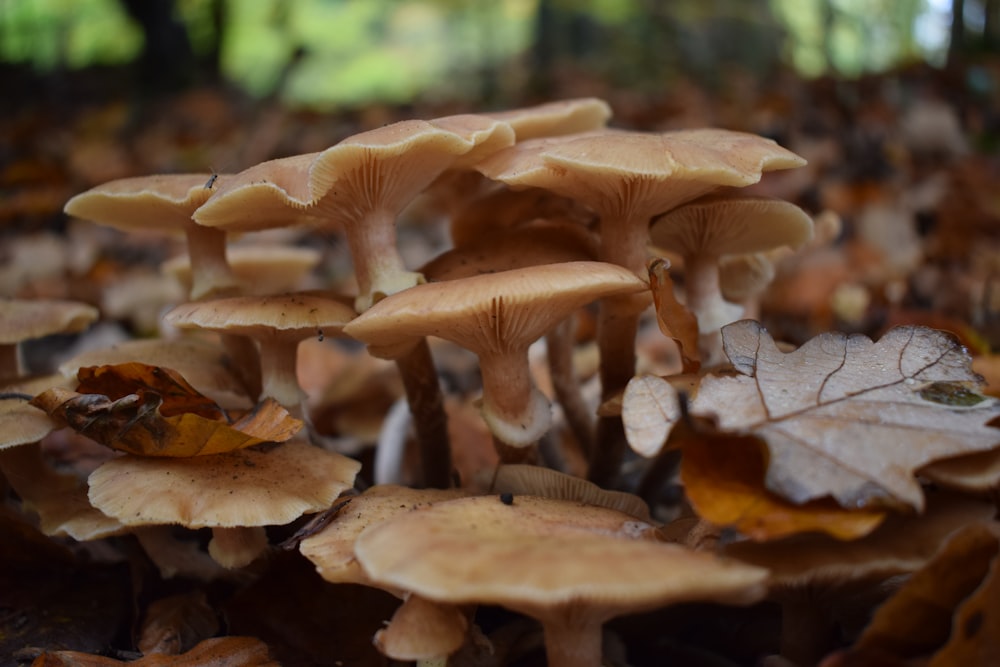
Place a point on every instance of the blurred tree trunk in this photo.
(167, 61)
(956, 46)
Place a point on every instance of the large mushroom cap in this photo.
(495, 311)
(249, 487)
(26, 319)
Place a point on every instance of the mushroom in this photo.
(257, 269)
(24, 320)
(235, 494)
(497, 316)
(626, 178)
(278, 323)
(704, 230)
(164, 202)
(556, 561)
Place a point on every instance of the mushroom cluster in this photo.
(550, 213)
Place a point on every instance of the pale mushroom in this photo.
(164, 202)
(257, 269)
(278, 323)
(235, 494)
(497, 316)
(556, 561)
(704, 230)
(22, 320)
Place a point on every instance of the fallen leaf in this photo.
(674, 319)
(217, 652)
(119, 380)
(134, 424)
(649, 410)
(919, 618)
(723, 479)
(849, 418)
(175, 624)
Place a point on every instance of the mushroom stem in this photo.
(237, 547)
(516, 412)
(277, 364)
(10, 362)
(703, 297)
(572, 644)
(211, 275)
(807, 632)
(623, 242)
(423, 393)
(566, 385)
(378, 267)
(242, 350)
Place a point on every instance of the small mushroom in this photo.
(497, 316)
(704, 230)
(557, 561)
(235, 494)
(257, 269)
(22, 320)
(278, 323)
(164, 202)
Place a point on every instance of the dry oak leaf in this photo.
(217, 652)
(134, 424)
(850, 418)
(119, 380)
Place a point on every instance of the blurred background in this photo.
(893, 102)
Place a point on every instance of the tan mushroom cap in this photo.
(162, 202)
(422, 630)
(278, 322)
(556, 118)
(258, 269)
(497, 316)
(504, 208)
(20, 422)
(332, 549)
(22, 320)
(235, 494)
(731, 223)
(560, 562)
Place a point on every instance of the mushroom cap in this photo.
(505, 208)
(271, 194)
(161, 201)
(422, 630)
(20, 422)
(293, 316)
(388, 167)
(745, 276)
(601, 169)
(26, 319)
(249, 487)
(556, 118)
(546, 558)
(730, 223)
(259, 269)
(331, 550)
(495, 312)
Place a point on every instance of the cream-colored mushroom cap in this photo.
(730, 223)
(556, 118)
(235, 494)
(20, 422)
(422, 630)
(258, 269)
(279, 323)
(161, 201)
(497, 316)
(569, 565)
(22, 320)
